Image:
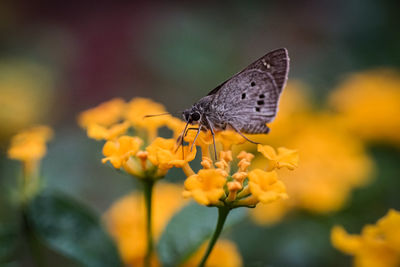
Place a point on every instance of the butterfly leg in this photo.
(239, 132)
(213, 136)
(195, 138)
(180, 140)
(190, 129)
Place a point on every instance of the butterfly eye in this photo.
(195, 116)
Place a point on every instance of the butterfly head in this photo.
(191, 116)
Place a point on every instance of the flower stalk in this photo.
(148, 185)
(222, 215)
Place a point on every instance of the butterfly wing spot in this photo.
(260, 102)
(266, 64)
(243, 96)
(253, 84)
(261, 96)
(258, 109)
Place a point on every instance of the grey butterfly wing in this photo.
(250, 99)
(275, 62)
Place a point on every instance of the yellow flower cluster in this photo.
(126, 222)
(29, 146)
(333, 161)
(113, 118)
(215, 185)
(143, 155)
(377, 246)
(369, 105)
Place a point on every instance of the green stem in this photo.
(222, 215)
(148, 191)
(33, 243)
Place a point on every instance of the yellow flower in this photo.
(119, 151)
(204, 140)
(105, 114)
(229, 138)
(176, 125)
(129, 228)
(225, 138)
(164, 154)
(30, 144)
(368, 104)
(206, 187)
(285, 158)
(99, 132)
(138, 108)
(265, 186)
(377, 246)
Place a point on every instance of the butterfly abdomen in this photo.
(255, 129)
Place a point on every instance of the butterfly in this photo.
(245, 102)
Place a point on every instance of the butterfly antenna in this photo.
(156, 115)
(162, 114)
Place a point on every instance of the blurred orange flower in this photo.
(369, 105)
(377, 246)
(105, 114)
(138, 108)
(29, 146)
(333, 161)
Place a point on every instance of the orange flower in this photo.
(163, 153)
(284, 158)
(206, 187)
(119, 151)
(265, 186)
(368, 104)
(378, 245)
(99, 132)
(105, 114)
(138, 108)
(30, 144)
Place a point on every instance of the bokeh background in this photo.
(60, 58)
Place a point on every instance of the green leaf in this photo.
(71, 229)
(188, 230)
